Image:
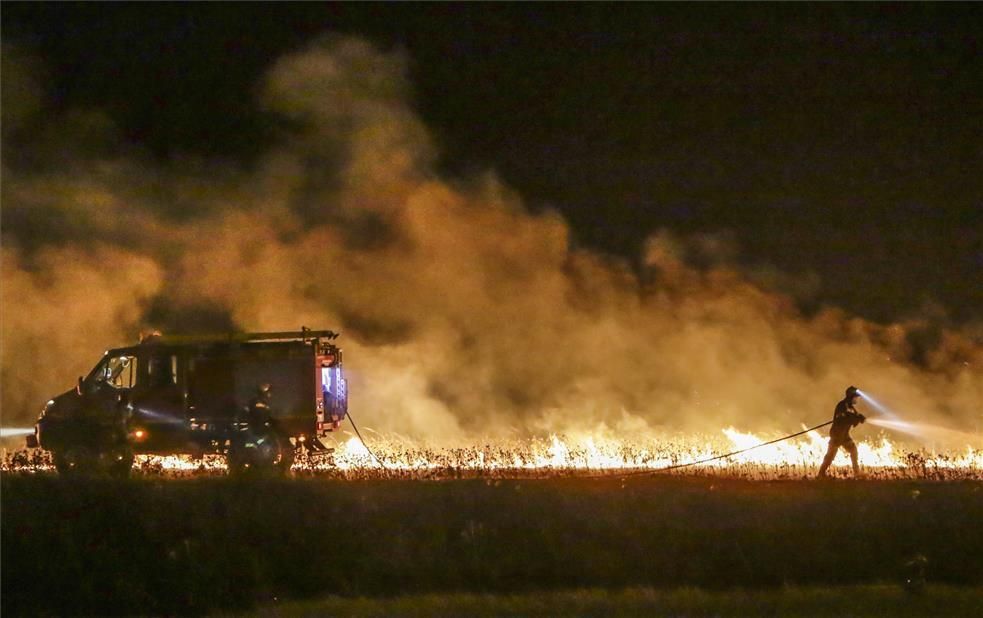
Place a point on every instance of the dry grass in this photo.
(460, 463)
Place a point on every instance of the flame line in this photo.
(357, 433)
(709, 459)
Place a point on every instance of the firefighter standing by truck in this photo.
(845, 418)
(260, 416)
(265, 443)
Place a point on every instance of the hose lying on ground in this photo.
(640, 472)
(709, 459)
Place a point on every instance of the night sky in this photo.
(842, 141)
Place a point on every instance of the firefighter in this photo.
(269, 445)
(256, 446)
(260, 410)
(845, 418)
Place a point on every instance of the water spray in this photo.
(15, 432)
(893, 421)
(926, 431)
(880, 407)
(889, 418)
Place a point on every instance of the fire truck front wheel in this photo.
(82, 460)
(271, 454)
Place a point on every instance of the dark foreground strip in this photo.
(149, 546)
(855, 601)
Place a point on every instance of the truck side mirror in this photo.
(78, 387)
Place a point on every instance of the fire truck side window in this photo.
(162, 370)
(119, 372)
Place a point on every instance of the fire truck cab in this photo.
(172, 395)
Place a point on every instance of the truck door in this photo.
(105, 397)
(158, 420)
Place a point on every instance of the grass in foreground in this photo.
(98, 546)
(839, 601)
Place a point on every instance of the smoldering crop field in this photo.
(731, 455)
(150, 546)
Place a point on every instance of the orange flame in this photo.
(590, 454)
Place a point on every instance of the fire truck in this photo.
(191, 395)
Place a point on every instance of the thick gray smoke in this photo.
(463, 314)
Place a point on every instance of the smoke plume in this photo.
(463, 314)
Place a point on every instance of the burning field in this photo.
(560, 456)
(542, 412)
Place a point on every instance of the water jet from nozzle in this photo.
(14, 432)
(880, 407)
(932, 432)
(891, 420)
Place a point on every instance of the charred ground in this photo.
(153, 546)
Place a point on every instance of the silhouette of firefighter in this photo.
(263, 446)
(253, 447)
(260, 416)
(845, 418)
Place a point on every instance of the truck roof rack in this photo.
(304, 334)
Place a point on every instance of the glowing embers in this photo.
(589, 454)
(582, 455)
(179, 465)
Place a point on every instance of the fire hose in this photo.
(647, 471)
(362, 440)
(709, 459)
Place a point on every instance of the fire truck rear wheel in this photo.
(286, 458)
(74, 460)
(121, 464)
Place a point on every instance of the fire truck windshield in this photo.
(118, 372)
